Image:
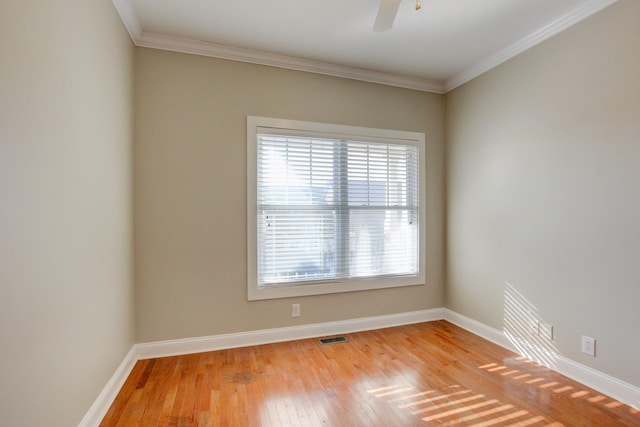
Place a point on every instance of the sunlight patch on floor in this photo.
(571, 391)
(454, 405)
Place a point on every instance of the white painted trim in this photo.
(477, 328)
(606, 384)
(584, 11)
(157, 41)
(213, 50)
(267, 336)
(257, 125)
(129, 18)
(101, 405)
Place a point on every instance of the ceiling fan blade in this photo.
(386, 15)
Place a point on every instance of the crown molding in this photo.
(579, 14)
(157, 41)
(213, 50)
(129, 18)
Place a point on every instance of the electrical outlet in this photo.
(589, 345)
(295, 310)
(546, 331)
(534, 327)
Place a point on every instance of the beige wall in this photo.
(544, 189)
(190, 184)
(542, 192)
(66, 304)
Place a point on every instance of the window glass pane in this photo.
(382, 242)
(296, 245)
(333, 209)
(294, 171)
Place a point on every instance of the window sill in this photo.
(255, 293)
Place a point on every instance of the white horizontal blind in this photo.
(335, 209)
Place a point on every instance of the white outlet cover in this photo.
(589, 345)
(295, 310)
(534, 327)
(546, 331)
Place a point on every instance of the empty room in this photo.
(327, 213)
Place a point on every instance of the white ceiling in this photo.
(435, 49)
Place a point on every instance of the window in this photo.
(332, 208)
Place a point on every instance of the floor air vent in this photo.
(332, 340)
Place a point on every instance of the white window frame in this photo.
(254, 292)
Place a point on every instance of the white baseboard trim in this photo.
(487, 332)
(612, 387)
(606, 384)
(267, 336)
(103, 402)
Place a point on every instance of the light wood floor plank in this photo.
(425, 374)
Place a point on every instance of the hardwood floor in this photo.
(425, 374)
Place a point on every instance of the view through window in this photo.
(335, 208)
